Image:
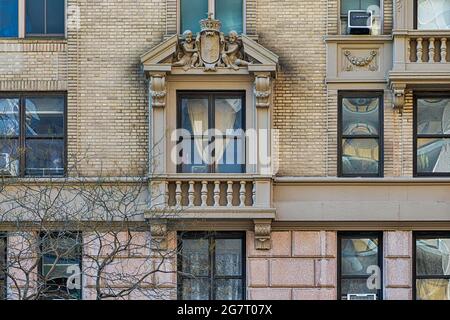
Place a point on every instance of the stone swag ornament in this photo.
(210, 48)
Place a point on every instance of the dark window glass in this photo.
(213, 139)
(3, 266)
(212, 266)
(433, 136)
(360, 266)
(45, 17)
(9, 16)
(61, 259)
(35, 126)
(191, 12)
(230, 13)
(361, 135)
(364, 5)
(432, 267)
(433, 14)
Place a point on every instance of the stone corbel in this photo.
(158, 231)
(398, 95)
(158, 90)
(262, 234)
(263, 89)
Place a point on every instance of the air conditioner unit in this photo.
(359, 22)
(361, 296)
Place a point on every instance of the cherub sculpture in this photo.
(231, 55)
(188, 57)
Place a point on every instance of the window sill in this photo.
(357, 38)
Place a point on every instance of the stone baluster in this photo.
(443, 50)
(216, 193)
(204, 193)
(242, 194)
(431, 50)
(254, 194)
(191, 195)
(419, 51)
(230, 193)
(178, 194)
(408, 50)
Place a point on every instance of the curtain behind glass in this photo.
(230, 13)
(226, 111)
(191, 12)
(433, 14)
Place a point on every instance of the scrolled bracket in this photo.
(262, 234)
(158, 91)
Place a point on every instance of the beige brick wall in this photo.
(274, 274)
(108, 99)
(294, 30)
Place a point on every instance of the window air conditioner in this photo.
(363, 296)
(359, 22)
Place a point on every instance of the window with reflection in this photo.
(362, 5)
(433, 14)
(3, 266)
(212, 266)
(432, 266)
(32, 134)
(432, 135)
(360, 260)
(9, 17)
(211, 134)
(360, 151)
(45, 17)
(60, 260)
(229, 12)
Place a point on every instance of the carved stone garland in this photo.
(361, 61)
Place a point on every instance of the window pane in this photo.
(360, 156)
(195, 257)
(9, 16)
(192, 11)
(433, 116)
(55, 16)
(433, 256)
(358, 255)
(355, 286)
(229, 152)
(433, 289)
(228, 257)
(9, 117)
(433, 155)
(433, 14)
(195, 289)
(35, 16)
(230, 13)
(44, 157)
(347, 5)
(228, 289)
(44, 116)
(61, 257)
(360, 116)
(9, 157)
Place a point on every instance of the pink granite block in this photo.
(398, 272)
(314, 294)
(398, 294)
(325, 272)
(398, 243)
(292, 272)
(306, 243)
(269, 293)
(281, 245)
(258, 272)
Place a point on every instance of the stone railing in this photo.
(213, 195)
(428, 47)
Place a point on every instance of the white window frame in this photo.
(212, 9)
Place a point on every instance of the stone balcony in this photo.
(221, 196)
(421, 60)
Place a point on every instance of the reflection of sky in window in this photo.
(9, 117)
(433, 14)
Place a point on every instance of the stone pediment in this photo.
(209, 52)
